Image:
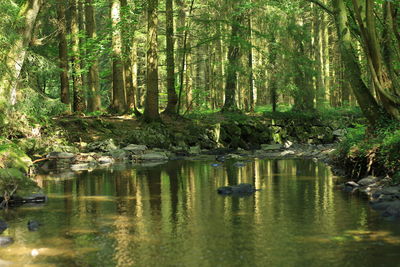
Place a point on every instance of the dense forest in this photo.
(133, 57)
(153, 60)
(197, 132)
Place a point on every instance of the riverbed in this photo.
(171, 215)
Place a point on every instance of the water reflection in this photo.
(171, 215)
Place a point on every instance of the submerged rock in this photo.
(5, 241)
(3, 226)
(240, 189)
(33, 225)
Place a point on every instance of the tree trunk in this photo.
(172, 96)
(233, 62)
(252, 94)
(118, 103)
(77, 83)
(384, 86)
(16, 56)
(151, 112)
(367, 103)
(63, 52)
(94, 100)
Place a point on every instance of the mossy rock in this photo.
(152, 135)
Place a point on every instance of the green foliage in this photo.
(14, 165)
(380, 147)
(352, 143)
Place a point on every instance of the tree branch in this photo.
(323, 6)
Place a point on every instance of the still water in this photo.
(171, 215)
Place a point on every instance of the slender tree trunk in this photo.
(118, 103)
(220, 67)
(252, 95)
(16, 56)
(63, 52)
(183, 54)
(135, 70)
(129, 49)
(364, 97)
(151, 112)
(319, 57)
(77, 83)
(94, 100)
(172, 96)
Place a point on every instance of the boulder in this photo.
(153, 156)
(193, 150)
(271, 147)
(367, 181)
(60, 155)
(105, 160)
(118, 154)
(238, 190)
(339, 132)
(102, 146)
(80, 167)
(135, 149)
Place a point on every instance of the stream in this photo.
(171, 215)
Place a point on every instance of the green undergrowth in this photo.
(378, 149)
(14, 166)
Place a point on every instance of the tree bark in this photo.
(172, 96)
(233, 62)
(365, 99)
(118, 103)
(94, 100)
(252, 95)
(79, 104)
(63, 52)
(16, 56)
(151, 112)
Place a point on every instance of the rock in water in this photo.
(238, 190)
(33, 225)
(3, 226)
(5, 241)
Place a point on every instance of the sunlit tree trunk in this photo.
(79, 104)
(252, 95)
(16, 56)
(129, 48)
(118, 103)
(63, 52)
(94, 100)
(151, 112)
